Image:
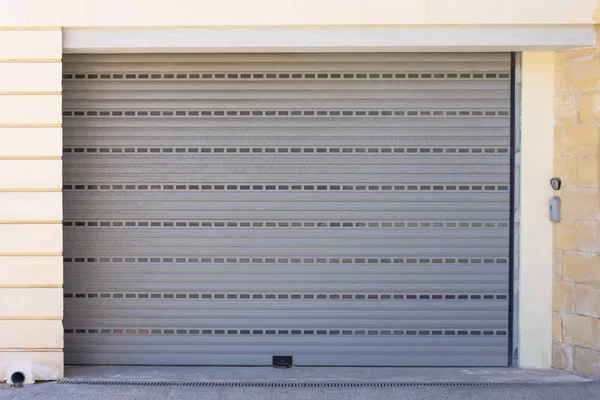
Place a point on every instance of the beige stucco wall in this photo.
(105, 13)
(535, 229)
(576, 305)
(31, 305)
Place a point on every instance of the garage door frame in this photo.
(515, 193)
(514, 200)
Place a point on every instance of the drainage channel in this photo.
(293, 384)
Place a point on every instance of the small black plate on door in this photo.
(283, 361)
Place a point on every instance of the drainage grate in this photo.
(293, 384)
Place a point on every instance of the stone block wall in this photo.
(576, 287)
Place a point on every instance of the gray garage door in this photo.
(343, 209)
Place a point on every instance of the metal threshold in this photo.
(310, 377)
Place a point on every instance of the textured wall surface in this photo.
(535, 230)
(576, 288)
(111, 13)
(31, 305)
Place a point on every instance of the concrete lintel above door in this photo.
(328, 39)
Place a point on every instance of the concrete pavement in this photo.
(53, 391)
(506, 383)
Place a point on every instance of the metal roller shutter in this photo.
(345, 209)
